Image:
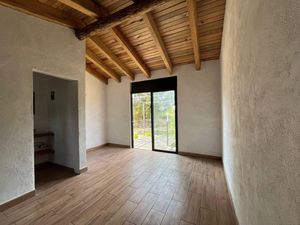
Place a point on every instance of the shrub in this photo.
(148, 134)
(136, 135)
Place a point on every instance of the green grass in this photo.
(136, 136)
(148, 134)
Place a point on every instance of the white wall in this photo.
(26, 44)
(95, 100)
(199, 108)
(261, 109)
(63, 121)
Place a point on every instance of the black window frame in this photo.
(155, 85)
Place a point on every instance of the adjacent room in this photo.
(150, 112)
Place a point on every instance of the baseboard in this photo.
(17, 200)
(230, 198)
(108, 145)
(83, 170)
(200, 155)
(117, 145)
(96, 147)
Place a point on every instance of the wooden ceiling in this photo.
(136, 36)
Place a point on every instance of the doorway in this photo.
(55, 119)
(154, 115)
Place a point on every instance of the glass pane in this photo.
(164, 121)
(141, 109)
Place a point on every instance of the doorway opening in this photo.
(154, 115)
(55, 119)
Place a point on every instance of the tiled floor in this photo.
(126, 186)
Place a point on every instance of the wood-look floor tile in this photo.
(207, 217)
(114, 207)
(191, 208)
(127, 223)
(153, 218)
(142, 209)
(140, 193)
(131, 187)
(225, 214)
(182, 222)
(162, 204)
(94, 210)
(209, 199)
(3, 219)
(121, 215)
(173, 213)
(102, 218)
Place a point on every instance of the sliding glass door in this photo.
(154, 115)
(141, 118)
(164, 121)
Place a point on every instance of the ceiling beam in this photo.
(43, 11)
(192, 11)
(97, 62)
(96, 74)
(86, 7)
(158, 41)
(123, 41)
(138, 8)
(91, 9)
(111, 56)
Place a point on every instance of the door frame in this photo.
(152, 115)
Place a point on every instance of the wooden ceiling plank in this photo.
(43, 11)
(97, 62)
(87, 7)
(139, 8)
(91, 9)
(123, 41)
(158, 41)
(192, 12)
(96, 74)
(111, 56)
(84, 8)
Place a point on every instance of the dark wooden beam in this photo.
(91, 9)
(103, 67)
(96, 74)
(87, 7)
(111, 56)
(149, 21)
(139, 8)
(192, 9)
(43, 11)
(124, 42)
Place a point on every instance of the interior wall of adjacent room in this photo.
(28, 44)
(41, 90)
(261, 110)
(95, 99)
(199, 108)
(58, 115)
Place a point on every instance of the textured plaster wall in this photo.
(199, 108)
(95, 105)
(260, 69)
(27, 44)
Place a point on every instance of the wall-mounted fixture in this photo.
(52, 95)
